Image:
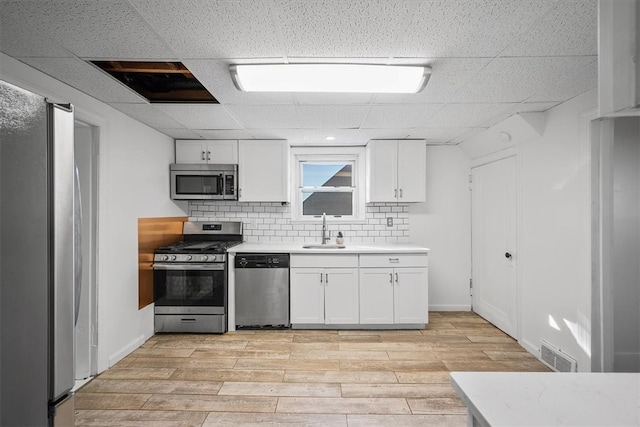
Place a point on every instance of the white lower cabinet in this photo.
(394, 295)
(324, 295)
(362, 290)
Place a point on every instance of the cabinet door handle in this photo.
(395, 193)
(391, 278)
(209, 158)
(396, 278)
(326, 279)
(401, 193)
(203, 158)
(321, 278)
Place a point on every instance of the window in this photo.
(328, 180)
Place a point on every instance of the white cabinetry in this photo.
(263, 170)
(396, 171)
(393, 289)
(324, 289)
(207, 151)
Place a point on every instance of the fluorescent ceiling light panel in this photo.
(350, 78)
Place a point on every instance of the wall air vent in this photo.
(158, 82)
(557, 360)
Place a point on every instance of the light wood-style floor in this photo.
(328, 378)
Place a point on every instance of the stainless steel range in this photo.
(190, 278)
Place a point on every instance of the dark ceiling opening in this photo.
(159, 82)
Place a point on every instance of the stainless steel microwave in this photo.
(203, 182)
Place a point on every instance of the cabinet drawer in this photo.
(394, 260)
(324, 261)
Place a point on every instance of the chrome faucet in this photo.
(325, 239)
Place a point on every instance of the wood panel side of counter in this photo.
(153, 233)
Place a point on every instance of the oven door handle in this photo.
(201, 267)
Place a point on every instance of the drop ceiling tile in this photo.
(307, 98)
(570, 86)
(532, 107)
(214, 28)
(404, 116)
(354, 28)
(291, 135)
(467, 135)
(569, 28)
(472, 28)
(180, 133)
(517, 79)
(86, 78)
(145, 113)
(95, 29)
(214, 75)
(199, 116)
(448, 75)
(437, 135)
(223, 133)
(341, 137)
(397, 133)
(467, 115)
(265, 116)
(18, 19)
(331, 116)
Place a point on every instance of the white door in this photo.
(376, 296)
(412, 171)
(191, 152)
(341, 296)
(307, 295)
(410, 295)
(494, 260)
(382, 171)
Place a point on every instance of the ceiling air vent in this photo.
(555, 359)
(159, 82)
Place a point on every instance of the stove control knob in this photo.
(189, 257)
(173, 257)
(213, 258)
(205, 257)
(165, 257)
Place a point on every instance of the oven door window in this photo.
(199, 184)
(189, 287)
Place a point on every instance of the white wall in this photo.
(553, 227)
(442, 224)
(133, 180)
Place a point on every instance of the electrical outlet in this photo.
(389, 221)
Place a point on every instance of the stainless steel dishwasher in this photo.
(262, 290)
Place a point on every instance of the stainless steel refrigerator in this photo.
(36, 260)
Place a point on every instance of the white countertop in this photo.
(550, 399)
(355, 248)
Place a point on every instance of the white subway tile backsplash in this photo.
(271, 222)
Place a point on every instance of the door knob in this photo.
(507, 255)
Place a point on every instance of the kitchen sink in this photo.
(325, 246)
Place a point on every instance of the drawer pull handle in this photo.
(188, 320)
(394, 260)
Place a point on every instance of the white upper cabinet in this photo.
(396, 171)
(263, 170)
(619, 58)
(207, 151)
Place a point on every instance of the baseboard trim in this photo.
(126, 350)
(450, 307)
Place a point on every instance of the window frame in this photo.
(332, 154)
